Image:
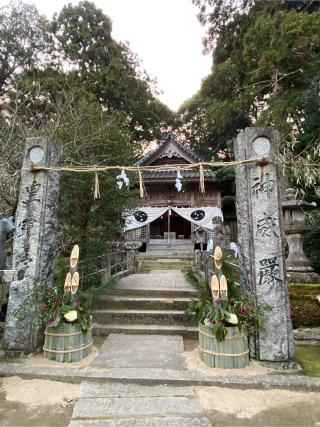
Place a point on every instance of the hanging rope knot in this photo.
(141, 184)
(96, 194)
(201, 183)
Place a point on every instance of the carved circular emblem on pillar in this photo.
(141, 216)
(132, 245)
(198, 215)
(261, 145)
(36, 155)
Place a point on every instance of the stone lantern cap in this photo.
(292, 203)
(297, 204)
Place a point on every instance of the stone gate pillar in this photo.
(34, 242)
(261, 239)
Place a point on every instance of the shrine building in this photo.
(173, 214)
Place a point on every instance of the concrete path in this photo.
(130, 405)
(127, 405)
(141, 351)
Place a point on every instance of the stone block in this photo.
(141, 351)
(137, 408)
(95, 390)
(149, 422)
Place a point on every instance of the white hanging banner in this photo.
(200, 216)
(143, 216)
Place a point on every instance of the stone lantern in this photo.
(298, 266)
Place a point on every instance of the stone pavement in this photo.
(125, 405)
(141, 351)
(144, 380)
(156, 280)
(130, 405)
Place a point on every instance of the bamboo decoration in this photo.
(231, 353)
(68, 342)
(74, 258)
(71, 283)
(75, 283)
(214, 287)
(219, 284)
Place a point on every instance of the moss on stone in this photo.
(305, 311)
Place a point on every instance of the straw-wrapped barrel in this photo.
(233, 352)
(67, 343)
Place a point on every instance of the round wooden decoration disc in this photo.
(75, 283)
(74, 256)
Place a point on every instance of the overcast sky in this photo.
(164, 33)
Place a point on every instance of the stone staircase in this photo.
(147, 303)
(148, 264)
(159, 248)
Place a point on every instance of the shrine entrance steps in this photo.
(147, 303)
(147, 264)
(176, 248)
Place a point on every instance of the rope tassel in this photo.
(96, 186)
(141, 185)
(201, 183)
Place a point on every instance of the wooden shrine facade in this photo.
(160, 191)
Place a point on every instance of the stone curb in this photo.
(161, 376)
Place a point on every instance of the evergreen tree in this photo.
(265, 72)
(70, 80)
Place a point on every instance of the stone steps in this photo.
(143, 302)
(134, 329)
(130, 405)
(168, 254)
(173, 243)
(155, 292)
(143, 317)
(153, 303)
(168, 263)
(171, 247)
(146, 266)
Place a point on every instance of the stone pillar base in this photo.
(295, 276)
(289, 365)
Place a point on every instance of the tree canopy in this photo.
(265, 72)
(70, 80)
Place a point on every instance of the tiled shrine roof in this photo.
(172, 174)
(170, 137)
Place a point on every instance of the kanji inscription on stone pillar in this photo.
(261, 239)
(34, 242)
